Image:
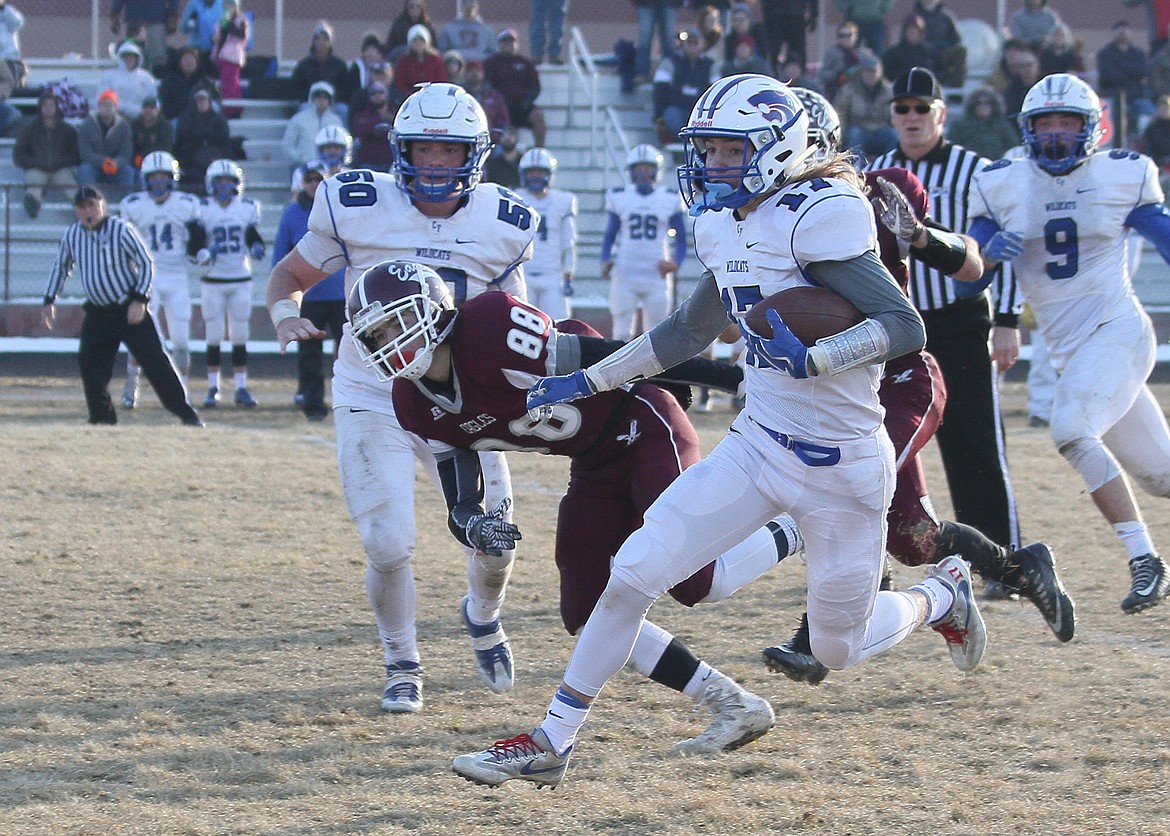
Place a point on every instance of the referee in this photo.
(970, 437)
(116, 273)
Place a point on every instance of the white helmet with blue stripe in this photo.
(1060, 153)
(773, 125)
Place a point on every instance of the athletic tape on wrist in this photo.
(283, 309)
(864, 343)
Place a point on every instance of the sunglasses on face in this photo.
(920, 109)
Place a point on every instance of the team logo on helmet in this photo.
(774, 106)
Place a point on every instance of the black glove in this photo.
(490, 533)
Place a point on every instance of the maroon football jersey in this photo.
(908, 184)
(499, 348)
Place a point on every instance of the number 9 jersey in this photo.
(360, 218)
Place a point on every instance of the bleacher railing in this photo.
(582, 76)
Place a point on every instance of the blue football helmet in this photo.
(1060, 153)
(773, 125)
(439, 113)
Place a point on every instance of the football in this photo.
(809, 312)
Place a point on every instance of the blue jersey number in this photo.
(161, 237)
(227, 239)
(357, 188)
(643, 227)
(740, 299)
(1060, 239)
(515, 214)
(458, 281)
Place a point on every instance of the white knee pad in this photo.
(388, 546)
(1092, 460)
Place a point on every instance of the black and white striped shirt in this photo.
(946, 173)
(112, 261)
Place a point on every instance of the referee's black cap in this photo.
(917, 83)
(86, 194)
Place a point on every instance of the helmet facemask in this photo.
(437, 184)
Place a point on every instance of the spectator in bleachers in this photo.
(129, 81)
(322, 64)
(9, 115)
(911, 49)
(300, 134)
(863, 105)
(983, 127)
(1033, 22)
(361, 69)
(47, 150)
(151, 132)
(420, 63)
(159, 18)
(999, 78)
(371, 127)
(709, 22)
(745, 58)
(518, 81)
(1025, 73)
(380, 73)
(490, 99)
(840, 61)
(1160, 73)
(1157, 140)
(230, 53)
(11, 21)
(741, 25)
(870, 17)
(660, 16)
(455, 64)
(106, 143)
(469, 34)
(786, 23)
(414, 12)
(1062, 53)
(200, 17)
(1123, 69)
(200, 137)
(793, 73)
(547, 25)
(941, 35)
(503, 163)
(176, 93)
(678, 83)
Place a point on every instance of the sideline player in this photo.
(167, 220)
(334, 152)
(550, 273)
(1062, 217)
(230, 221)
(914, 394)
(647, 222)
(461, 380)
(809, 442)
(433, 209)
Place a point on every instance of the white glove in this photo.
(896, 213)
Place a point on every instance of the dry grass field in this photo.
(185, 647)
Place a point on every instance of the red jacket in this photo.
(410, 70)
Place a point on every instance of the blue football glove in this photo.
(567, 287)
(553, 390)
(257, 251)
(783, 351)
(1004, 246)
(490, 533)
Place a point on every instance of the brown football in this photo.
(809, 312)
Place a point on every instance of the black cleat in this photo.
(1150, 583)
(1040, 584)
(795, 658)
(996, 591)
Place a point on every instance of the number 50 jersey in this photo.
(360, 218)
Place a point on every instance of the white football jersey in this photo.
(163, 227)
(360, 218)
(1075, 269)
(803, 223)
(643, 239)
(225, 227)
(556, 237)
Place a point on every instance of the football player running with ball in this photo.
(1061, 216)
(431, 208)
(914, 395)
(810, 441)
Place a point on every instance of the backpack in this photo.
(70, 99)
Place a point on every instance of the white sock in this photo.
(742, 564)
(241, 380)
(1135, 537)
(564, 718)
(940, 597)
(213, 380)
(703, 677)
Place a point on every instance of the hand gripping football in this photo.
(809, 312)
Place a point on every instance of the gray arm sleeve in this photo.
(866, 283)
(691, 328)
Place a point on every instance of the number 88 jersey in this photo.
(1075, 267)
